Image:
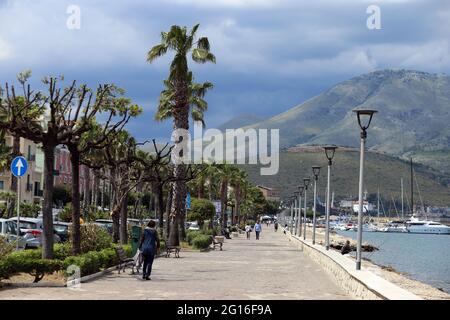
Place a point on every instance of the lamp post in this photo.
(306, 183)
(295, 213)
(292, 214)
(300, 192)
(364, 119)
(316, 172)
(329, 153)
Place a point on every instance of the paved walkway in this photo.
(270, 268)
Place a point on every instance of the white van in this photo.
(9, 231)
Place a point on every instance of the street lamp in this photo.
(364, 119)
(316, 172)
(306, 183)
(295, 213)
(292, 215)
(329, 153)
(300, 192)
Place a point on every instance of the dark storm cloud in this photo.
(271, 55)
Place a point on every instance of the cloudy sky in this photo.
(271, 54)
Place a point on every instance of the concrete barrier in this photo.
(360, 284)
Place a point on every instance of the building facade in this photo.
(31, 184)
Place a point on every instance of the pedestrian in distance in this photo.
(257, 230)
(149, 246)
(248, 229)
(275, 226)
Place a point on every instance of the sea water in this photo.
(423, 257)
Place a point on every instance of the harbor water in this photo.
(422, 257)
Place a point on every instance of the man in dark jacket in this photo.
(149, 246)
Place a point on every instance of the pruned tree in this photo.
(48, 119)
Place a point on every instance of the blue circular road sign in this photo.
(19, 166)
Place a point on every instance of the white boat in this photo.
(369, 227)
(424, 226)
(394, 227)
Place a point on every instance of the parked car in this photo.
(194, 226)
(9, 231)
(62, 230)
(31, 231)
(106, 224)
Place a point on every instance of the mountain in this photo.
(240, 121)
(413, 118)
(381, 170)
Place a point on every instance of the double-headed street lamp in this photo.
(364, 119)
(306, 183)
(300, 192)
(329, 153)
(316, 172)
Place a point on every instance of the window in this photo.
(1, 226)
(29, 153)
(2, 185)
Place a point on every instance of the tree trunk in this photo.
(178, 203)
(123, 220)
(86, 193)
(168, 207)
(47, 210)
(115, 216)
(223, 200)
(76, 235)
(14, 183)
(160, 207)
(238, 202)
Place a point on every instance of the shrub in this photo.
(29, 210)
(201, 210)
(5, 247)
(191, 234)
(202, 241)
(94, 238)
(66, 213)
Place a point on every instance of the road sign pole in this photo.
(18, 212)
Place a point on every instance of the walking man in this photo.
(257, 229)
(149, 246)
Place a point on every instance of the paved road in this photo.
(270, 268)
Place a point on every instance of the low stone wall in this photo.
(360, 284)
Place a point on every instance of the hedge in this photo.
(29, 261)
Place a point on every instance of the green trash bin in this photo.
(135, 237)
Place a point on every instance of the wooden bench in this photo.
(174, 249)
(215, 243)
(124, 261)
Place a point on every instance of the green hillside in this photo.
(413, 118)
(380, 170)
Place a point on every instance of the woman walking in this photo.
(149, 246)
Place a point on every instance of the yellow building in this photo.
(31, 183)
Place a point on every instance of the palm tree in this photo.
(177, 99)
(239, 183)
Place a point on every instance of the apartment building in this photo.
(31, 184)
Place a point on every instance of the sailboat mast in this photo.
(403, 212)
(412, 189)
(378, 204)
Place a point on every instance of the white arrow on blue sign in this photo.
(19, 166)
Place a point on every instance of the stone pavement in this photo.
(270, 268)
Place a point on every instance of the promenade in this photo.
(270, 268)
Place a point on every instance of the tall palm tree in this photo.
(177, 99)
(239, 183)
